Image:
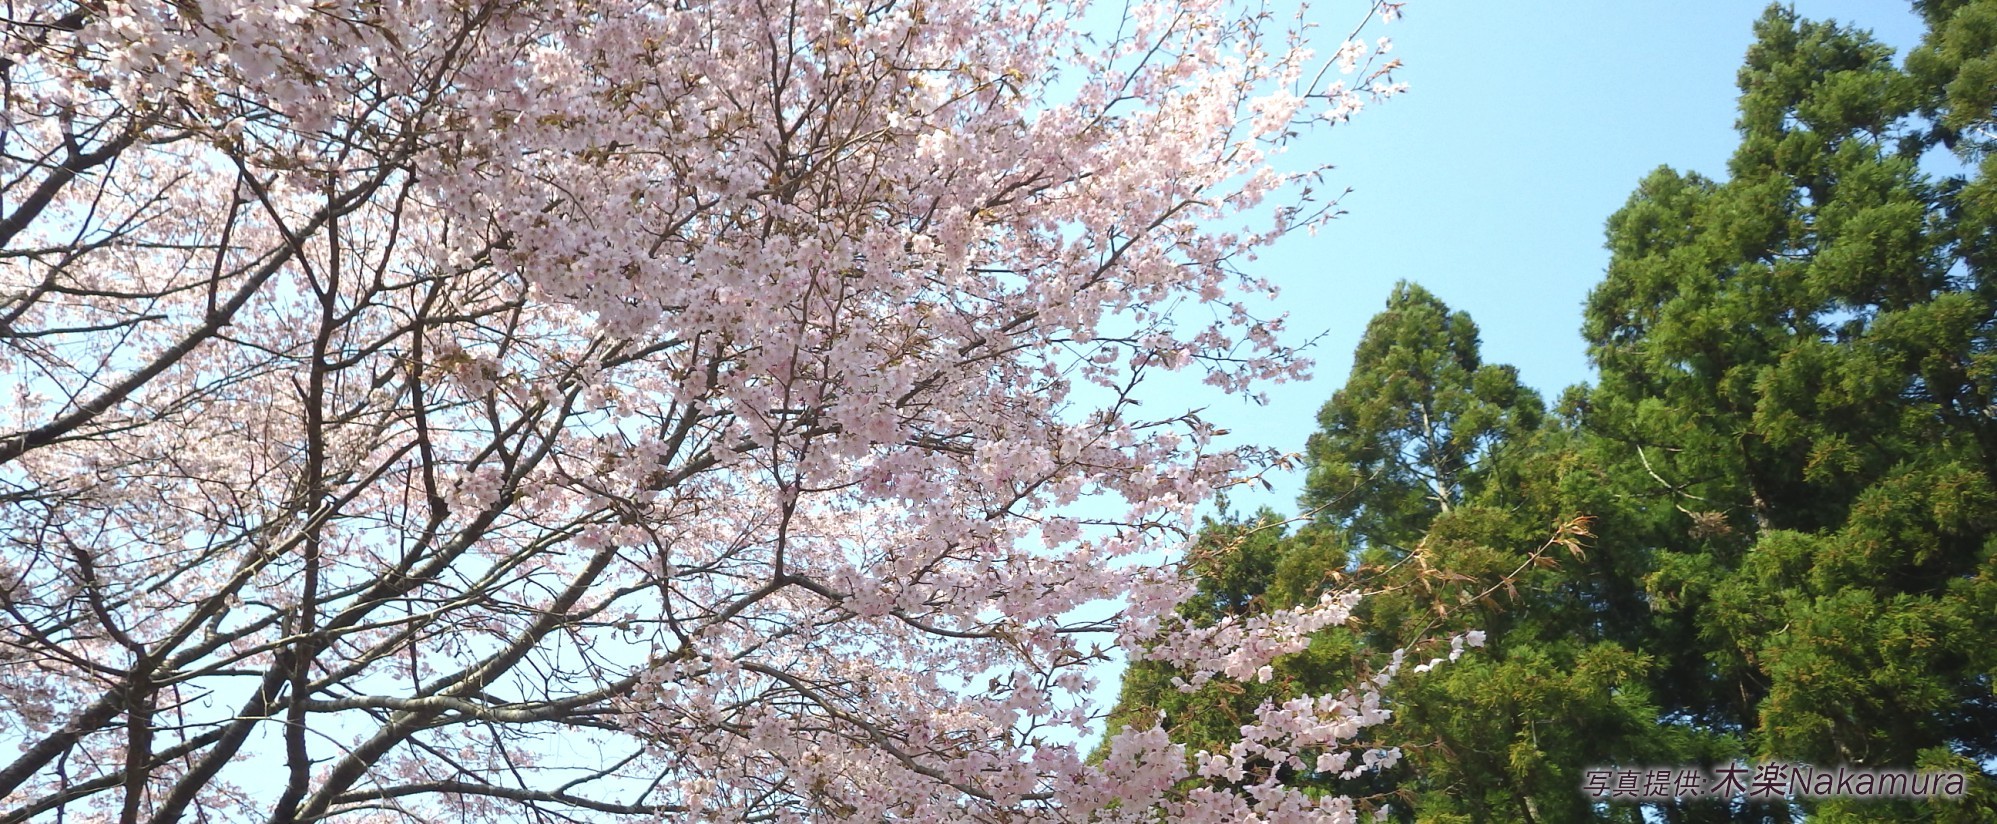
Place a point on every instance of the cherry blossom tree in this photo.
(552, 410)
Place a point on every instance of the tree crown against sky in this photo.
(455, 411)
(1405, 438)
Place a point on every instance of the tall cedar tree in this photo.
(1797, 372)
(1403, 441)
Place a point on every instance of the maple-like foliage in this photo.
(427, 410)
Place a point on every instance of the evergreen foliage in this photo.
(1774, 513)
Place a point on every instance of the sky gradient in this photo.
(1524, 127)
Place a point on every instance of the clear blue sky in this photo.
(1525, 126)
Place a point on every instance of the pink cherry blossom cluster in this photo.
(1242, 648)
(437, 409)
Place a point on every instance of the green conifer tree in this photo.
(1434, 484)
(1406, 438)
(1796, 370)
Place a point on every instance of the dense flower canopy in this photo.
(438, 410)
